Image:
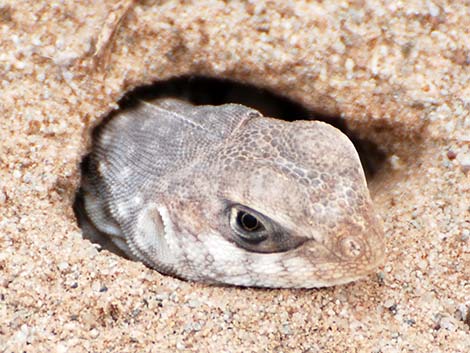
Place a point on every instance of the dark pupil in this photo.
(247, 221)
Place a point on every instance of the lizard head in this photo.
(286, 205)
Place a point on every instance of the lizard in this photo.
(223, 195)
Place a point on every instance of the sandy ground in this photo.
(398, 72)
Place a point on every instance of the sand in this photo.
(397, 72)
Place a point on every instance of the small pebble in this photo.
(381, 277)
(180, 346)
(465, 234)
(451, 155)
(3, 197)
(464, 161)
(393, 309)
(161, 296)
(395, 162)
(62, 266)
(286, 330)
(464, 313)
(94, 333)
(446, 323)
(194, 303)
(60, 348)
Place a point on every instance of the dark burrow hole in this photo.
(203, 91)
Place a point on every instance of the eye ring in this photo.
(257, 233)
(248, 222)
(247, 226)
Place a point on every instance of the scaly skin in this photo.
(221, 194)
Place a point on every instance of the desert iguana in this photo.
(221, 194)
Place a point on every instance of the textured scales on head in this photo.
(222, 194)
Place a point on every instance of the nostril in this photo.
(350, 247)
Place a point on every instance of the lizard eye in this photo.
(248, 222)
(247, 226)
(255, 232)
